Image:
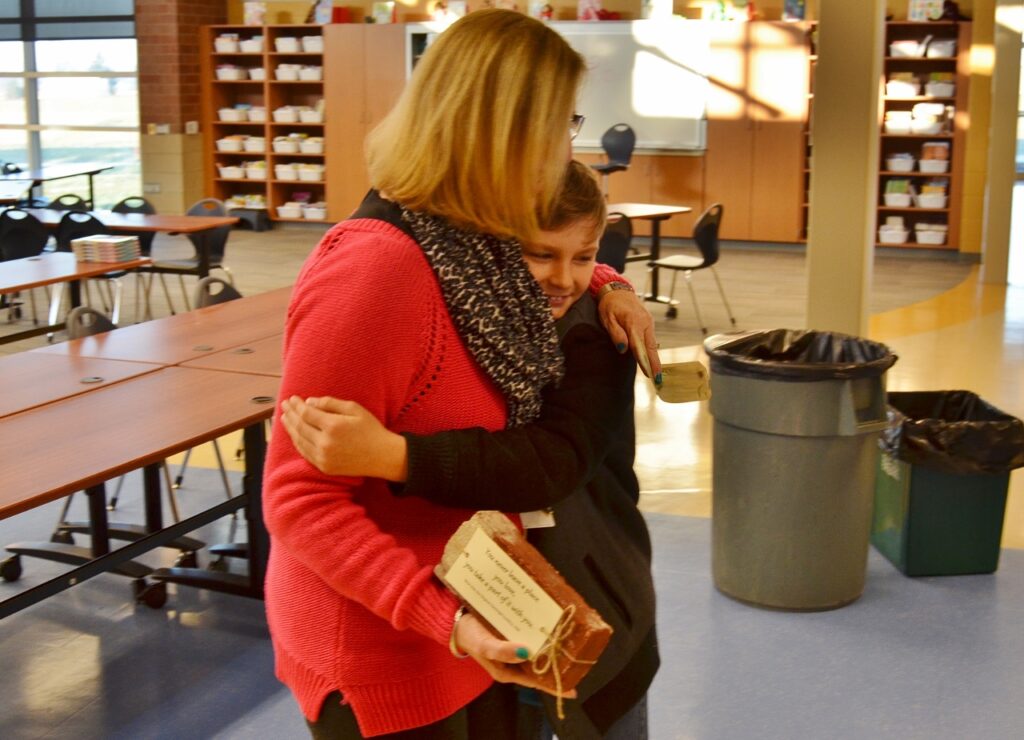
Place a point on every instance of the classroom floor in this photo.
(912, 658)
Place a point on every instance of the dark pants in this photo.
(491, 716)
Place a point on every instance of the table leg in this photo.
(255, 441)
(151, 493)
(100, 534)
(655, 256)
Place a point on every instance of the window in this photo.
(69, 92)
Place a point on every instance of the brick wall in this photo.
(168, 35)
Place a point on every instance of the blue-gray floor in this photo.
(913, 658)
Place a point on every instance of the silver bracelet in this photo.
(459, 614)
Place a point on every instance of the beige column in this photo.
(1002, 142)
(844, 168)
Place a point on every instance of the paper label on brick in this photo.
(497, 588)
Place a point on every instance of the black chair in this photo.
(618, 143)
(21, 235)
(74, 225)
(138, 204)
(213, 241)
(69, 202)
(615, 242)
(705, 235)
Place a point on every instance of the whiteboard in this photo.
(651, 74)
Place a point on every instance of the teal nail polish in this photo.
(522, 653)
(657, 379)
(620, 347)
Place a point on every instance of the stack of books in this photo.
(106, 248)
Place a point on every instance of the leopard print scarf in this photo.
(497, 307)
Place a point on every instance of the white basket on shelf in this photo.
(941, 49)
(933, 166)
(897, 200)
(906, 48)
(311, 73)
(313, 44)
(255, 144)
(286, 171)
(230, 72)
(254, 171)
(314, 212)
(232, 115)
(231, 172)
(287, 72)
(258, 114)
(311, 172)
(312, 145)
(227, 44)
(930, 200)
(311, 116)
(229, 145)
(257, 73)
(891, 235)
(940, 89)
(930, 233)
(900, 164)
(284, 145)
(286, 44)
(289, 210)
(286, 114)
(251, 46)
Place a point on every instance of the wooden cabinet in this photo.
(926, 71)
(263, 111)
(757, 104)
(366, 70)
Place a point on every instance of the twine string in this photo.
(547, 657)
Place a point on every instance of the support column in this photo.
(169, 96)
(1002, 147)
(844, 170)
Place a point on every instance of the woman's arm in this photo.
(624, 317)
(520, 469)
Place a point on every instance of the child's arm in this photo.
(521, 469)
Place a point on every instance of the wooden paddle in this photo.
(682, 382)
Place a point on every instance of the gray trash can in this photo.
(796, 421)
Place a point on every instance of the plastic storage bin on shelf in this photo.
(286, 145)
(286, 171)
(233, 115)
(290, 210)
(940, 89)
(315, 211)
(258, 114)
(230, 144)
(230, 72)
(930, 200)
(906, 48)
(934, 166)
(900, 163)
(313, 44)
(286, 114)
(310, 115)
(287, 72)
(897, 200)
(310, 172)
(231, 172)
(795, 445)
(940, 494)
(257, 73)
(934, 234)
(892, 235)
(256, 170)
(286, 44)
(226, 43)
(251, 46)
(255, 144)
(312, 145)
(941, 48)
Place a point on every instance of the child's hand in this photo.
(342, 438)
(623, 316)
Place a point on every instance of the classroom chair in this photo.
(705, 235)
(21, 235)
(618, 143)
(615, 242)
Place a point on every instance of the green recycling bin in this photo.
(940, 495)
(796, 421)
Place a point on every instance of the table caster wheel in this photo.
(10, 569)
(62, 538)
(187, 559)
(153, 595)
(671, 313)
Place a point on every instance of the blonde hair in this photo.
(579, 199)
(479, 134)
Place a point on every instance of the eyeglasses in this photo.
(575, 124)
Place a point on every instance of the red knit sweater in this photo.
(351, 599)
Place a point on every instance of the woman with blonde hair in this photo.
(420, 308)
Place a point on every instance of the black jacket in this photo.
(577, 458)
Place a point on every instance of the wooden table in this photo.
(654, 213)
(141, 222)
(35, 378)
(50, 268)
(262, 357)
(38, 176)
(186, 336)
(145, 419)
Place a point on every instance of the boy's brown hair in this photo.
(579, 199)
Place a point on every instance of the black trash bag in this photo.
(797, 355)
(952, 432)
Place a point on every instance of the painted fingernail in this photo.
(522, 653)
(657, 379)
(620, 347)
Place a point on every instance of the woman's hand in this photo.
(629, 324)
(343, 438)
(498, 657)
